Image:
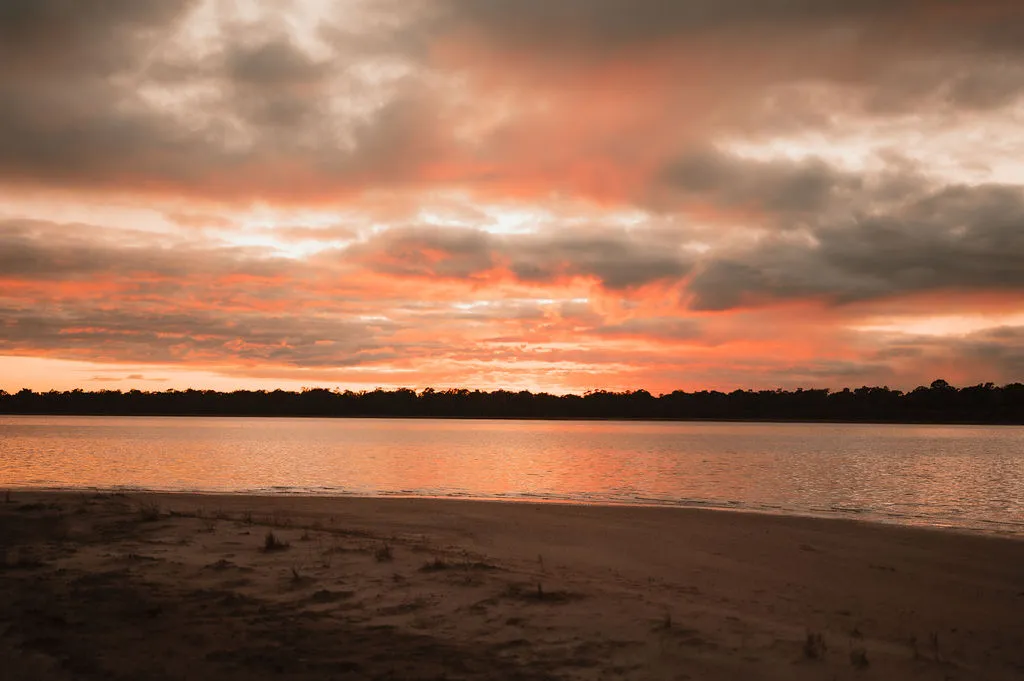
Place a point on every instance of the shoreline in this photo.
(583, 419)
(99, 585)
(992, 528)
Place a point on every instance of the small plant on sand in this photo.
(149, 511)
(666, 621)
(538, 594)
(384, 554)
(859, 658)
(435, 565)
(305, 536)
(272, 543)
(933, 637)
(814, 646)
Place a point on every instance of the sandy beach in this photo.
(100, 586)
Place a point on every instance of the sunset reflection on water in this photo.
(943, 475)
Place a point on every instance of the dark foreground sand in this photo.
(181, 587)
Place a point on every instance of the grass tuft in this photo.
(384, 554)
(933, 638)
(814, 646)
(859, 658)
(435, 565)
(149, 511)
(272, 543)
(537, 593)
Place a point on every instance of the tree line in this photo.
(939, 402)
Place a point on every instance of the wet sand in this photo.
(180, 586)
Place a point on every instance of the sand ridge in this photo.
(192, 587)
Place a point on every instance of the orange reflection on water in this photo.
(963, 476)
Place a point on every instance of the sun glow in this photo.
(944, 325)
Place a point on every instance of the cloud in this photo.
(129, 377)
(79, 291)
(603, 24)
(124, 97)
(614, 259)
(993, 353)
(603, 28)
(276, 85)
(1000, 349)
(775, 187)
(193, 337)
(476, 188)
(131, 97)
(658, 328)
(691, 71)
(34, 250)
(81, 38)
(956, 238)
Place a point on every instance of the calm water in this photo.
(970, 477)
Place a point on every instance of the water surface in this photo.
(960, 476)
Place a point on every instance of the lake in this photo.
(953, 476)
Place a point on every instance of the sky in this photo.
(520, 194)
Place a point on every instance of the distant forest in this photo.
(938, 403)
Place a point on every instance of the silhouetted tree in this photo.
(939, 402)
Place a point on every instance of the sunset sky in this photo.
(544, 194)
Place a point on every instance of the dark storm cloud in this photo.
(805, 186)
(275, 84)
(61, 114)
(904, 54)
(616, 259)
(81, 37)
(961, 238)
(599, 24)
(71, 112)
(67, 108)
(603, 24)
(274, 63)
